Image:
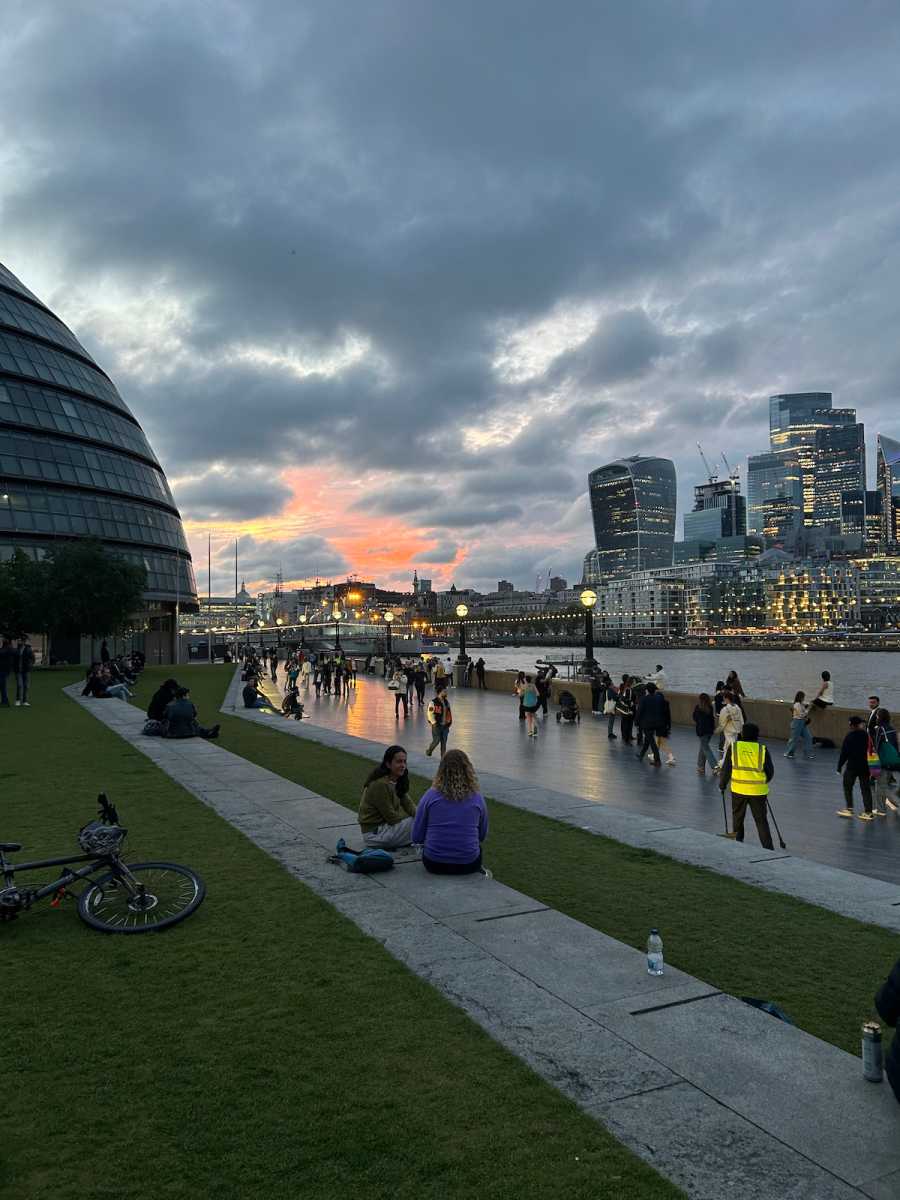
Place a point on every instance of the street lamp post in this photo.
(588, 598)
(279, 621)
(462, 611)
(388, 621)
(302, 620)
(337, 614)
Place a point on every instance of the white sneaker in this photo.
(18, 704)
(670, 762)
(864, 816)
(25, 704)
(844, 812)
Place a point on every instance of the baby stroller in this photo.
(568, 709)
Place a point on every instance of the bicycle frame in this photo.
(10, 870)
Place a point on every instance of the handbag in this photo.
(609, 708)
(873, 760)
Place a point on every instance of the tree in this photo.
(21, 594)
(89, 590)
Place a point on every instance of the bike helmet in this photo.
(99, 838)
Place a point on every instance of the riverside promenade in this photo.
(580, 761)
(698, 1084)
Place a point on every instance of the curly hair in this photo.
(455, 777)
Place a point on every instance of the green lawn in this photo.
(264, 1048)
(823, 969)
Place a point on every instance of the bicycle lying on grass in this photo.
(126, 898)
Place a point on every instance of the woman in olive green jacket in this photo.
(386, 810)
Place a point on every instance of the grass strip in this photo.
(822, 968)
(265, 1047)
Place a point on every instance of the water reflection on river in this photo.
(768, 674)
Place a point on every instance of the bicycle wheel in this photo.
(167, 894)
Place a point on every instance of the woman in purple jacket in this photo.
(451, 819)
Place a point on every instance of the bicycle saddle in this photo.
(11, 847)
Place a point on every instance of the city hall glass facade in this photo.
(633, 508)
(74, 462)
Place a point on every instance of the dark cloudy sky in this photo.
(383, 281)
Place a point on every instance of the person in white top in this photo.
(730, 724)
(659, 677)
(306, 673)
(825, 695)
(800, 728)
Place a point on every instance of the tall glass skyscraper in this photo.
(840, 466)
(888, 481)
(633, 507)
(774, 495)
(74, 463)
(796, 420)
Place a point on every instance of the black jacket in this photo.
(156, 709)
(887, 1001)
(653, 713)
(855, 751)
(7, 656)
(23, 658)
(182, 718)
(704, 722)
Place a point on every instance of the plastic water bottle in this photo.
(654, 953)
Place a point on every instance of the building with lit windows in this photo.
(720, 511)
(74, 463)
(646, 604)
(795, 421)
(888, 483)
(861, 517)
(805, 596)
(774, 496)
(633, 509)
(840, 466)
(879, 591)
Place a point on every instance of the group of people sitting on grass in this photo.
(112, 677)
(171, 713)
(449, 822)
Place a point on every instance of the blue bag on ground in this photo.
(362, 862)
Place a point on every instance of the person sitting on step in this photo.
(386, 810)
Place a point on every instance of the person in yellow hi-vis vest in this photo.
(748, 768)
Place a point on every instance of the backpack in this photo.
(361, 862)
(887, 754)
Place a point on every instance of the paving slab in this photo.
(572, 961)
(711, 1152)
(445, 896)
(803, 1091)
(886, 1188)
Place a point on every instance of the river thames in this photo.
(767, 674)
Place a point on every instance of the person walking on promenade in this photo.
(748, 768)
(610, 699)
(853, 764)
(625, 704)
(665, 732)
(305, 673)
(273, 665)
(519, 690)
(386, 810)
(530, 703)
(317, 679)
(800, 728)
(733, 685)
(440, 718)
(730, 723)
(419, 680)
(886, 747)
(104, 652)
(397, 685)
(23, 661)
(7, 656)
(440, 674)
(705, 724)
(451, 819)
(872, 723)
(479, 674)
(409, 674)
(596, 680)
(651, 717)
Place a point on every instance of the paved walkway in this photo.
(695, 1082)
(579, 760)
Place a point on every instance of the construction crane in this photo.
(732, 474)
(713, 475)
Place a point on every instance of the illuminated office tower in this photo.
(794, 422)
(861, 517)
(774, 496)
(888, 481)
(840, 466)
(633, 507)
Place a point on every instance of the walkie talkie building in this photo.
(74, 463)
(633, 506)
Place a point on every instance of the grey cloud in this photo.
(402, 499)
(299, 558)
(411, 175)
(231, 494)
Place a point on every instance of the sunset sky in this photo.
(382, 282)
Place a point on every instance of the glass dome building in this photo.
(74, 463)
